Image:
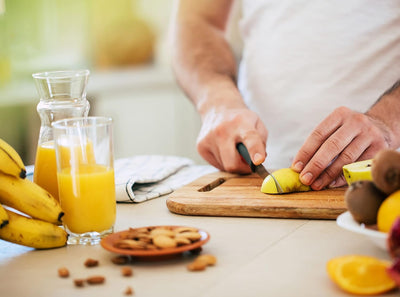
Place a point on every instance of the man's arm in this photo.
(205, 68)
(202, 58)
(386, 110)
(346, 136)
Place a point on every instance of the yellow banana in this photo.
(3, 217)
(10, 161)
(27, 197)
(32, 232)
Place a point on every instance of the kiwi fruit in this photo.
(385, 171)
(363, 200)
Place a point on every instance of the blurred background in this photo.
(124, 43)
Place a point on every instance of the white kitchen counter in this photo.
(256, 257)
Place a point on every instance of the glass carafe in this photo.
(62, 95)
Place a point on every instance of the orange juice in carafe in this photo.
(45, 173)
(62, 95)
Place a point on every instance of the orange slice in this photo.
(360, 275)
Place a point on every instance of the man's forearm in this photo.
(203, 62)
(387, 110)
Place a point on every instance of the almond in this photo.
(162, 231)
(79, 282)
(163, 241)
(182, 241)
(130, 244)
(210, 260)
(128, 291)
(126, 271)
(185, 229)
(95, 280)
(91, 262)
(192, 236)
(197, 266)
(63, 272)
(120, 260)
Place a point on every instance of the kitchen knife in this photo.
(259, 169)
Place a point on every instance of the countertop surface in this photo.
(256, 257)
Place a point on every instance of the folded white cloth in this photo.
(141, 178)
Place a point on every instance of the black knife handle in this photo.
(246, 156)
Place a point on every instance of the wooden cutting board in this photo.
(225, 194)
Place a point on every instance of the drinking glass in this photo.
(85, 175)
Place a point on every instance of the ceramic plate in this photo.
(108, 243)
(346, 221)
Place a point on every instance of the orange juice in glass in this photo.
(86, 182)
(84, 210)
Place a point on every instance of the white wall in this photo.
(151, 114)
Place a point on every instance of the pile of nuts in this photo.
(126, 271)
(147, 238)
(153, 238)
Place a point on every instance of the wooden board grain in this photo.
(225, 194)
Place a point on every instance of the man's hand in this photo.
(345, 136)
(206, 69)
(223, 129)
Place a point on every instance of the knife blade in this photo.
(259, 169)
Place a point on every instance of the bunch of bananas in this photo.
(38, 214)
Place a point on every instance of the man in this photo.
(312, 82)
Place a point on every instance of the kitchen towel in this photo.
(144, 177)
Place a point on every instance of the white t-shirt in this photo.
(303, 58)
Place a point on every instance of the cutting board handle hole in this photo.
(212, 185)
